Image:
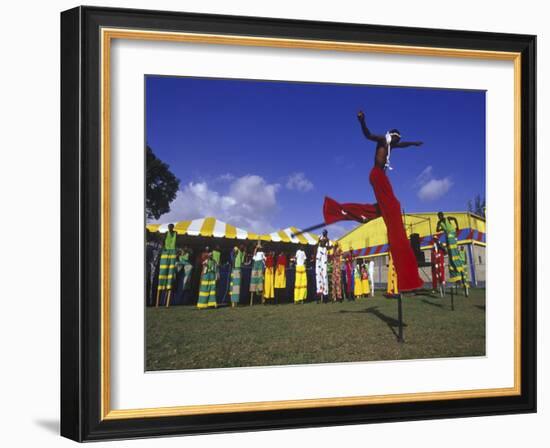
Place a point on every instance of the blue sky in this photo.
(263, 154)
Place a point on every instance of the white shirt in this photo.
(259, 256)
(300, 257)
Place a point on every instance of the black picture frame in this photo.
(81, 213)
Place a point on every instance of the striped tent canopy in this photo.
(212, 227)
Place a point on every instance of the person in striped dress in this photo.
(236, 262)
(207, 290)
(167, 271)
(449, 226)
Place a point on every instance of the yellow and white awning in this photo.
(288, 235)
(212, 227)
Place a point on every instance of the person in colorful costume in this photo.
(392, 288)
(207, 290)
(371, 277)
(449, 226)
(387, 206)
(237, 259)
(167, 271)
(300, 282)
(269, 284)
(257, 275)
(349, 274)
(357, 283)
(184, 269)
(438, 264)
(321, 260)
(280, 273)
(336, 277)
(365, 286)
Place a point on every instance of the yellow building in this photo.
(370, 240)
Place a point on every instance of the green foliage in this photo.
(478, 206)
(161, 186)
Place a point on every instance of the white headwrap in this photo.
(389, 135)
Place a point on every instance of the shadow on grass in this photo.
(481, 307)
(388, 320)
(427, 302)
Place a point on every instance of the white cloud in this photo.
(434, 189)
(424, 176)
(431, 188)
(299, 182)
(249, 203)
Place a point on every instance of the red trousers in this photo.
(390, 209)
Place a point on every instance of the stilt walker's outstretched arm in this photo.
(368, 134)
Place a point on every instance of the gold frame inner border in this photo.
(107, 35)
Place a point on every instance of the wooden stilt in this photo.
(158, 298)
(251, 298)
(168, 298)
(400, 318)
(452, 298)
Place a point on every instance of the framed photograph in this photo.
(277, 224)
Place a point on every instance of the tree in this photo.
(161, 186)
(478, 206)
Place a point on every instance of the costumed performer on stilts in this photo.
(321, 268)
(300, 281)
(438, 265)
(387, 206)
(371, 276)
(237, 260)
(449, 226)
(167, 271)
(336, 277)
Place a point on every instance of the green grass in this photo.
(183, 337)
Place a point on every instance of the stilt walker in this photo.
(357, 281)
(371, 277)
(387, 206)
(235, 286)
(336, 278)
(365, 286)
(167, 269)
(391, 289)
(257, 275)
(438, 266)
(207, 291)
(449, 226)
(300, 282)
(349, 274)
(269, 283)
(280, 275)
(321, 260)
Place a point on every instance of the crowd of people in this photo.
(337, 275)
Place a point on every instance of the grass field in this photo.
(183, 337)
